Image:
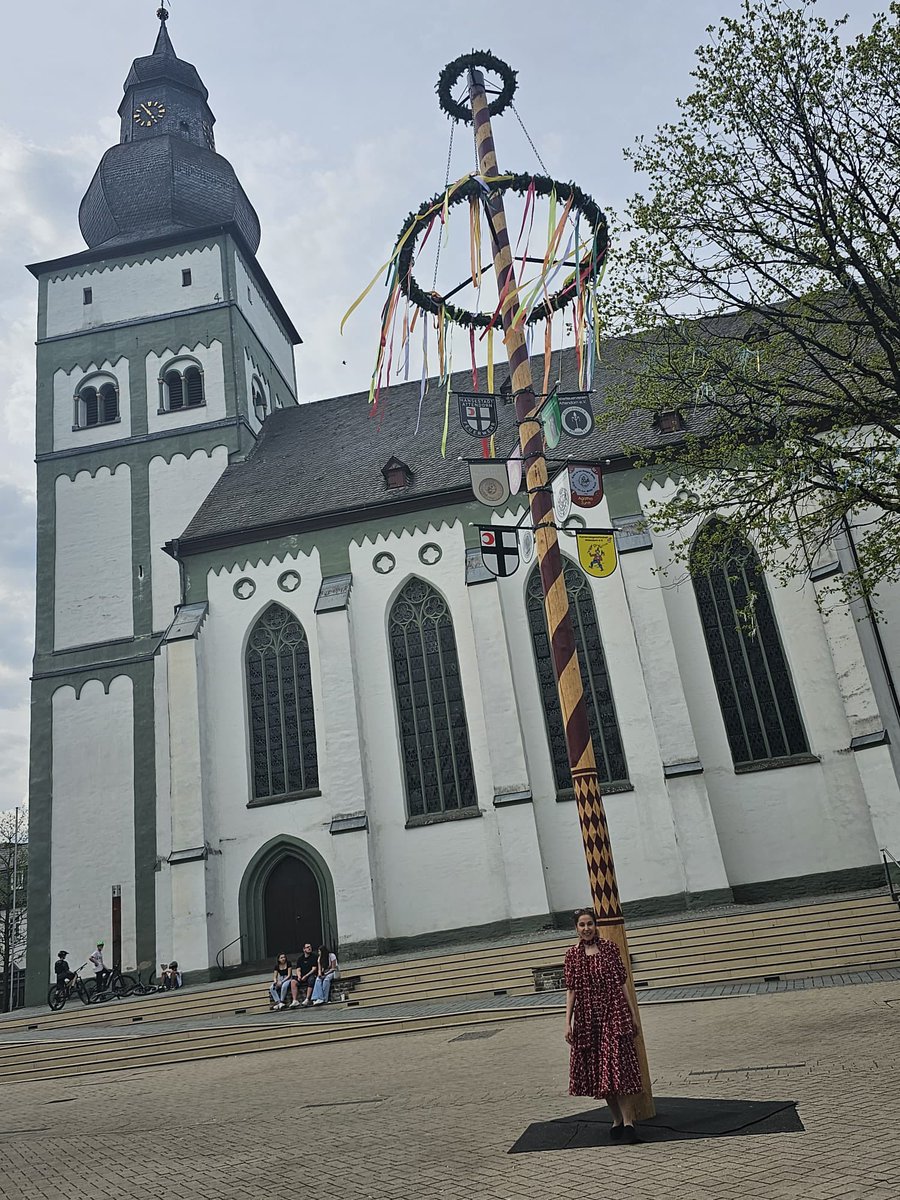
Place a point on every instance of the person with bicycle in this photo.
(101, 971)
(65, 976)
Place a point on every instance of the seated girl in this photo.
(328, 972)
(281, 982)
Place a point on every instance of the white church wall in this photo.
(784, 822)
(164, 915)
(212, 363)
(262, 321)
(65, 383)
(92, 839)
(93, 574)
(450, 873)
(235, 831)
(177, 489)
(523, 872)
(128, 291)
(695, 829)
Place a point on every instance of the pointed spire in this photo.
(163, 45)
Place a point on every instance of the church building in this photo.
(276, 695)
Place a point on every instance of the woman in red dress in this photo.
(601, 1026)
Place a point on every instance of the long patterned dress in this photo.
(603, 1060)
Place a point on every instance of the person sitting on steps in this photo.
(328, 971)
(171, 977)
(281, 982)
(305, 975)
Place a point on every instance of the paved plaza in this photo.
(434, 1114)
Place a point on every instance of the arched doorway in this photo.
(286, 898)
(292, 907)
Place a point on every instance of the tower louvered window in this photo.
(96, 405)
(182, 388)
(280, 701)
(756, 695)
(604, 726)
(434, 736)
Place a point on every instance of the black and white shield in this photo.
(576, 415)
(500, 550)
(478, 413)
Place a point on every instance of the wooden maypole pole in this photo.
(591, 814)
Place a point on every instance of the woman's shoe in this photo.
(316, 1003)
(616, 1132)
(295, 1004)
(632, 1137)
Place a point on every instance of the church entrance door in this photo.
(292, 907)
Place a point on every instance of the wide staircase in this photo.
(462, 987)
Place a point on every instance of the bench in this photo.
(550, 978)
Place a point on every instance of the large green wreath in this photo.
(486, 61)
(431, 302)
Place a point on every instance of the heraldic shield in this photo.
(597, 553)
(586, 484)
(490, 481)
(478, 413)
(500, 550)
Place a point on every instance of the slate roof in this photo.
(160, 187)
(169, 182)
(164, 63)
(320, 464)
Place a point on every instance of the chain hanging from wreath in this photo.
(566, 272)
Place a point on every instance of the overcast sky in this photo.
(327, 112)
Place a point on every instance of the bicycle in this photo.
(61, 992)
(117, 987)
(145, 989)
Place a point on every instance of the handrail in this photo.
(893, 888)
(220, 957)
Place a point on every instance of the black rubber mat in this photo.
(677, 1118)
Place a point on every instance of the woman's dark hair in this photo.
(281, 956)
(583, 912)
(324, 957)
(173, 966)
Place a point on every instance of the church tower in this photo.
(161, 350)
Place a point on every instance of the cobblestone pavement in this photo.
(425, 1115)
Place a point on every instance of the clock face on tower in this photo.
(149, 112)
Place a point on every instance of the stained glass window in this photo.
(601, 710)
(279, 694)
(756, 695)
(434, 736)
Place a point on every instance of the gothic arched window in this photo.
(280, 701)
(96, 403)
(759, 707)
(182, 387)
(612, 769)
(434, 737)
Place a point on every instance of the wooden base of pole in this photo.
(644, 1106)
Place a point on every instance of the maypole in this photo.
(591, 813)
(517, 311)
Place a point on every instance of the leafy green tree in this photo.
(758, 279)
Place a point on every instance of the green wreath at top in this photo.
(431, 302)
(486, 61)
